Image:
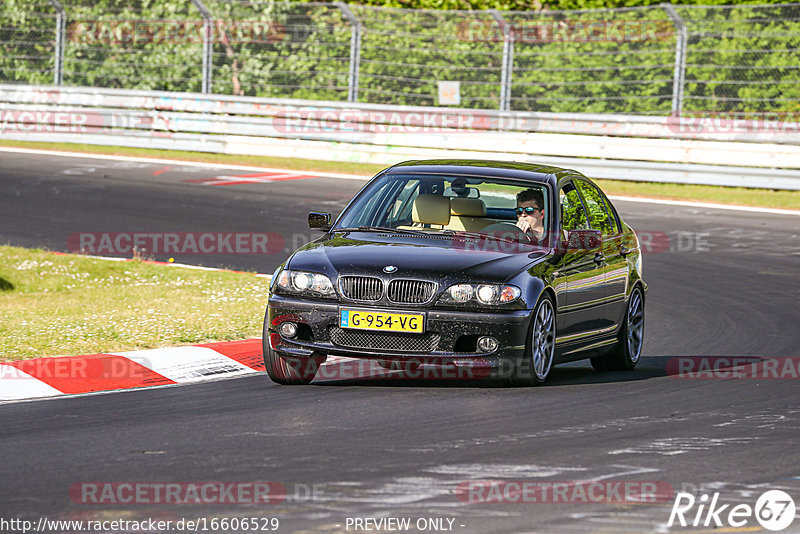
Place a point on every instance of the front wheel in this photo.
(629, 345)
(288, 371)
(538, 360)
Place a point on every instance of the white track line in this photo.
(705, 205)
(182, 163)
(342, 176)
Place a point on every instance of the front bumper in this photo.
(456, 331)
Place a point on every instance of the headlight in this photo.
(488, 294)
(301, 282)
(322, 284)
(460, 292)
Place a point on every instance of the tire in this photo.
(540, 348)
(631, 338)
(288, 371)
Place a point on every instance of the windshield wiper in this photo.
(367, 228)
(478, 235)
(430, 233)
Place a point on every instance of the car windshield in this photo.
(452, 204)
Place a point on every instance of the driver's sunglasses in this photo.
(527, 209)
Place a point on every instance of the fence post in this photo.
(61, 16)
(355, 51)
(207, 45)
(507, 61)
(681, 43)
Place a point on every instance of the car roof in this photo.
(501, 169)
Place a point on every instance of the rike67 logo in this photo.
(774, 510)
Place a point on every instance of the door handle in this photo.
(598, 258)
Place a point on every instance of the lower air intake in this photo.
(384, 341)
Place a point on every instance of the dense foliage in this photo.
(740, 58)
(555, 5)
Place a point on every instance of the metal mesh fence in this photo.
(404, 53)
(618, 60)
(280, 50)
(649, 60)
(742, 59)
(135, 45)
(28, 42)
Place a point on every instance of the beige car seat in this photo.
(430, 211)
(468, 214)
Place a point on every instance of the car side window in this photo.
(374, 208)
(400, 212)
(573, 216)
(611, 212)
(598, 216)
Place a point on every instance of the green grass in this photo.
(60, 305)
(740, 196)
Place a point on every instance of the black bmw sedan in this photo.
(498, 269)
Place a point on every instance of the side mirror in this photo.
(584, 240)
(319, 221)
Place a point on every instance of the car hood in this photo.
(439, 257)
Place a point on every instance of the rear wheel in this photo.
(631, 337)
(288, 371)
(538, 360)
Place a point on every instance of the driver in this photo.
(530, 213)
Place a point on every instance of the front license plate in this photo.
(386, 321)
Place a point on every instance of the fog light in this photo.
(487, 344)
(288, 329)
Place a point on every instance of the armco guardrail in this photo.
(667, 149)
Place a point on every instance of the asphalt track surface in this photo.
(723, 284)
